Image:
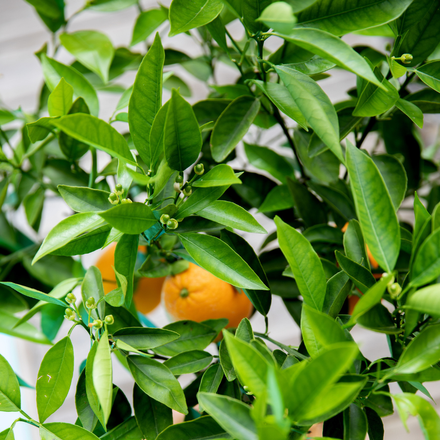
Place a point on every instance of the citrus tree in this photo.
(170, 200)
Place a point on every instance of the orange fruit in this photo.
(147, 291)
(197, 295)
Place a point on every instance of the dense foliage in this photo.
(168, 186)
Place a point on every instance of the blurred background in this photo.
(21, 35)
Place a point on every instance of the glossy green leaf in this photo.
(32, 293)
(429, 420)
(371, 298)
(92, 287)
(218, 258)
(60, 100)
(156, 380)
(394, 176)
(339, 286)
(83, 199)
(430, 74)
(354, 244)
(92, 49)
(232, 125)
(85, 413)
(361, 276)
(278, 199)
(127, 430)
(184, 16)
(10, 400)
(199, 429)
(305, 264)
(144, 338)
(411, 110)
(319, 330)
(67, 230)
(232, 215)
(226, 362)
(109, 5)
(333, 49)
(422, 352)
(33, 204)
(188, 362)
(426, 266)
(64, 431)
(355, 423)
(53, 71)
(146, 99)
(374, 208)
(379, 319)
(231, 414)
(97, 133)
(280, 97)
(152, 416)
(146, 23)
(130, 218)
(268, 160)
(278, 16)
(340, 19)
(193, 336)
(54, 378)
(211, 379)
(425, 300)
(220, 175)
(315, 105)
(182, 137)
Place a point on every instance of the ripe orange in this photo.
(146, 295)
(197, 295)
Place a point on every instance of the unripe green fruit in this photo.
(199, 169)
(172, 223)
(164, 218)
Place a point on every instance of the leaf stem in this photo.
(289, 350)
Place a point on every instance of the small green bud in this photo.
(172, 223)
(113, 199)
(97, 323)
(187, 190)
(177, 187)
(179, 178)
(394, 290)
(164, 218)
(149, 173)
(70, 314)
(125, 201)
(109, 320)
(199, 169)
(406, 58)
(91, 303)
(119, 190)
(70, 298)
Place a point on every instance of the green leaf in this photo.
(218, 32)
(232, 125)
(156, 380)
(152, 416)
(332, 48)
(250, 365)
(305, 264)
(279, 96)
(130, 218)
(226, 363)
(266, 159)
(33, 204)
(185, 16)
(232, 215)
(411, 110)
(355, 423)
(64, 431)
(144, 338)
(315, 106)
(340, 19)
(319, 330)
(54, 378)
(83, 199)
(220, 175)
(370, 299)
(51, 12)
(278, 16)
(430, 74)
(202, 428)
(127, 430)
(429, 420)
(338, 288)
(218, 258)
(193, 336)
(102, 375)
(426, 266)
(231, 414)
(278, 199)
(97, 133)
(146, 23)
(374, 208)
(10, 400)
(146, 100)
(182, 137)
(422, 352)
(125, 261)
(425, 300)
(109, 5)
(92, 287)
(354, 244)
(361, 276)
(85, 413)
(92, 49)
(60, 100)
(249, 11)
(394, 176)
(67, 230)
(211, 379)
(9, 326)
(188, 362)
(32, 293)
(53, 71)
